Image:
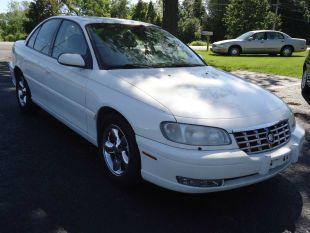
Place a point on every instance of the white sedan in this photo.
(153, 108)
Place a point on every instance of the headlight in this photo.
(221, 46)
(194, 134)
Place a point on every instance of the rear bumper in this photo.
(233, 168)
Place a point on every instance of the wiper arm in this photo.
(128, 66)
(185, 65)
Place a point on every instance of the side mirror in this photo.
(250, 38)
(71, 59)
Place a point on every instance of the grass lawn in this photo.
(288, 66)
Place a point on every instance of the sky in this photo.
(4, 4)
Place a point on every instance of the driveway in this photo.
(52, 181)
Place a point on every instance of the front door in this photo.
(68, 83)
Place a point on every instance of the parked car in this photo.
(153, 107)
(260, 42)
(305, 82)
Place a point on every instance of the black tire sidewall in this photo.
(132, 175)
(306, 89)
(286, 47)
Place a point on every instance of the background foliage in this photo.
(226, 18)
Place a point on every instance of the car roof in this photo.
(83, 20)
(265, 31)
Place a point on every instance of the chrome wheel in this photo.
(22, 92)
(234, 52)
(115, 150)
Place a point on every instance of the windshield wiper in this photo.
(128, 66)
(184, 65)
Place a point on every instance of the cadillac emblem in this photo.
(270, 137)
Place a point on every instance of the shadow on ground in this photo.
(52, 181)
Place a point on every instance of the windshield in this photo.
(245, 35)
(132, 46)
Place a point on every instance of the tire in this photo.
(234, 51)
(286, 51)
(119, 151)
(23, 95)
(305, 83)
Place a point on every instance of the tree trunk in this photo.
(170, 16)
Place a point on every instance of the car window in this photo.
(259, 36)
(45, 36)
(280, 36)
(33, 38)
(122, 46)
(272, 35)
(70, 39)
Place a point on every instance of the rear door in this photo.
(38, 59)
(274, 42)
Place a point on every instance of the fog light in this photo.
(199, 182)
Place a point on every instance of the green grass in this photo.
(288, 66)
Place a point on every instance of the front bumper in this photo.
(216, 49)
(162, 164)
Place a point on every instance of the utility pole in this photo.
(277, 8)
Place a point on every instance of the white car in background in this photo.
(261, 42)
(153, 108)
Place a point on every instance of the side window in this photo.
(70, 39)
(272, 36)
(33, 38)
(280, 36)
(259, 36)
(45, 35)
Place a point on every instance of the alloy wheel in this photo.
(115, 150)
(22, 92)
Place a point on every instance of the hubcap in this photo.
(305, 80)
(22, 92)
(115, 150)
(287, 51)
(234, 51)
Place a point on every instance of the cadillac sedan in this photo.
(261, 42)
(155, 110)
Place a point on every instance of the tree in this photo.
(100, 8)
(11, 23)
(40, 10)
(295, 17)
(189, 29)
(151, 15)
(119, 9)
(215, 13)
(242, 16)
(140, 11)
(170, 15)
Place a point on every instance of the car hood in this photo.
(202, 92)
(226, 41)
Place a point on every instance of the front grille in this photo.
(263, 139)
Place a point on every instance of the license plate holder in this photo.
(276, 162)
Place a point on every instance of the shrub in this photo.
(198, 43)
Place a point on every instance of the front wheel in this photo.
(234, 51)
(305, 83)
(119, 151)
(23, 94)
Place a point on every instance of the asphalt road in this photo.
(52, 181)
